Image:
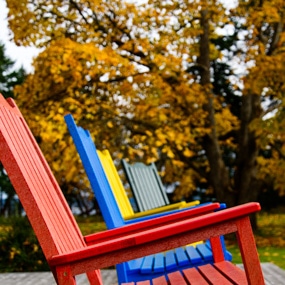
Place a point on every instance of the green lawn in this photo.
(275, 255)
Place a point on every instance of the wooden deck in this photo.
(272, 273)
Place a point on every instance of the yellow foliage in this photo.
(133, 78)
(188, 153)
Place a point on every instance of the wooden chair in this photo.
(68, 253)
(203, 253)
(154, 265)
(121, 196)
(146, 185)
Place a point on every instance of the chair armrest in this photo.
(164, 210)
(159, 221)
(138, 217)
(128, 245)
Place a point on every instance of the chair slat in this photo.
(147, 266)
(213, 276)
(232, 272)
(193, 254)
(181, 256)
(170, 260)
(159, 263)
(205, 251)
(176, 278)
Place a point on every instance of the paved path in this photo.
(273, 276)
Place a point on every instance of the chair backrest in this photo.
(146, 185)
(35, 185)
(96, 175)
(116, 183)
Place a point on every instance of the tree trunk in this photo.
(244, 188)
(218, 175)
(246, 171)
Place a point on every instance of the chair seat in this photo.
(171, 260)
(224, 273)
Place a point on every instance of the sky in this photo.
(21, 55)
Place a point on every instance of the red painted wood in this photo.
(212, 275)
(193, 276)
(147, 282)
(64, 276)
(249, 252)
(164, 220)
(176, 278)
(232, 272)
(94, 277)
(159, 281)
(217, 249)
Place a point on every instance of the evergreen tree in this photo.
(9, 77)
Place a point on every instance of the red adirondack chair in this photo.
(69, 253)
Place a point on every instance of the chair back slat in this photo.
(34, 183)
(116, 183)
(146, 185)
(96, 175)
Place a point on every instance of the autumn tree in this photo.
(184, 83)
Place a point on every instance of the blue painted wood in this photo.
(205, 251)
(159, 263)
(134, 270)
(88, 154)
(182, 258)
(147, 266)
(193, 254)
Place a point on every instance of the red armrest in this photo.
(159, 221)
(138, 243)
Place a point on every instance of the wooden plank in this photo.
(170, 260)
(147, 265)
(193, 276)
(116, 184)
(232, 272)
(134, 265)
(205, 252)
(193, 254)
(146, 282)
(182, 257)
(212, 275)
(159, 263)
(176, 278)
(159, 281)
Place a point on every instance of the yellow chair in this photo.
(121, 196)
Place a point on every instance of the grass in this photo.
(275, 255)
(91, 224)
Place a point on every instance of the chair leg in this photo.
(64, 276)
(249, 252)
(95, 277)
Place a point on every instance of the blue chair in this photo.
(149, 266)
